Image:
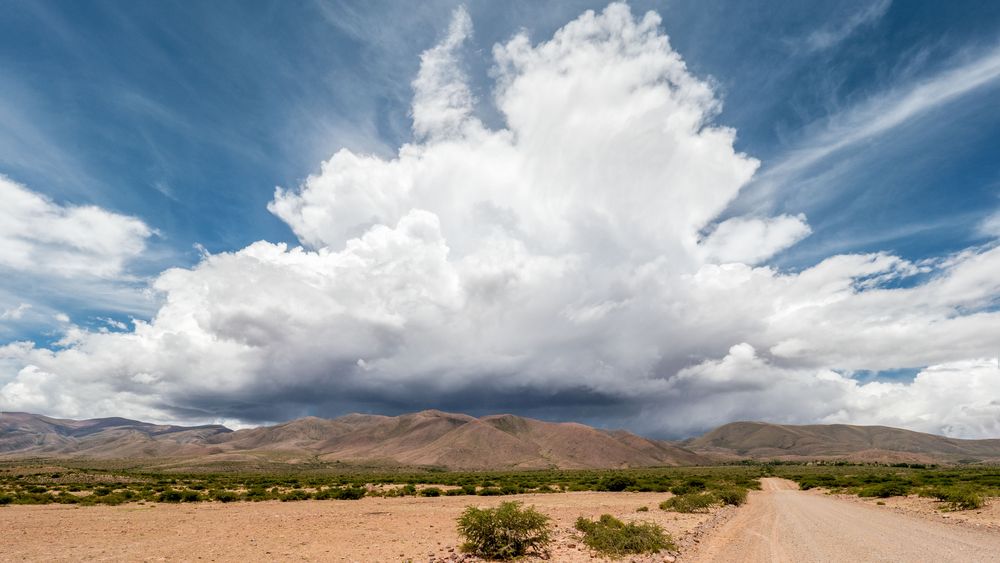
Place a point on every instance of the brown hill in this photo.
(761, 440)
(432, 438)
(458, 441)
(462, 442)
(32, 435)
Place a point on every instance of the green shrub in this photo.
(430, 492)
(732, 495)
(509, 489)
(886, 490)
(295, 494)
(489, 492)
(112, 499)
(696, 484)
(615, 483)
(349, 493)
(6, 499)
(170, 495)
(257, 494)
(224, 496)
(504, 532)
(65, 498)
(611, 536)
(691, 502)
(959, 499)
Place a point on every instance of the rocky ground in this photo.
(987, 518)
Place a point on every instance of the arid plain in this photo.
(273, 493)
(778, 523)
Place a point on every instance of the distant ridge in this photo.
(459, 441)
(428, 438)
(761, 440)
(35, 435)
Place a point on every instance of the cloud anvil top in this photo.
(576, 232)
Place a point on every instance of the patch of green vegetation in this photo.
(504, 532)
(222, 495)
(690, 502)
(108, 482)
(958, 498)
(91, 482)
(732, 496)
(610, 536)
(960, 488)
(616, 483)
(886, 490)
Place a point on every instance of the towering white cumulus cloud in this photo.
(571, 263)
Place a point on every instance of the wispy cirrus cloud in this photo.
(868, 120)
(830, 36)
(991, 225)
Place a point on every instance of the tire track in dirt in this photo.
(781, 524)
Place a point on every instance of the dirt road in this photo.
(781, 524)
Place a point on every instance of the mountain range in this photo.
(428, 438)
(458, 441)
(760, 440)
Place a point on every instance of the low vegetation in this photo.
(957, 498)
(732, 496)
(507, 531)
(699, 495)
(694, 488)
(88, 483)
(611, 537)
(690, 502)
(958, 487)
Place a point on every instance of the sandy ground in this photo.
(783, 524)
(987, 517)
(367, 530)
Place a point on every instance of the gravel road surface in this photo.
(783, 524)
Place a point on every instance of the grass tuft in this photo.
(690, 502)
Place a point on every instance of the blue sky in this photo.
(187, 115)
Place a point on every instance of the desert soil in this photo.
(367, 530)
(783, 524)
